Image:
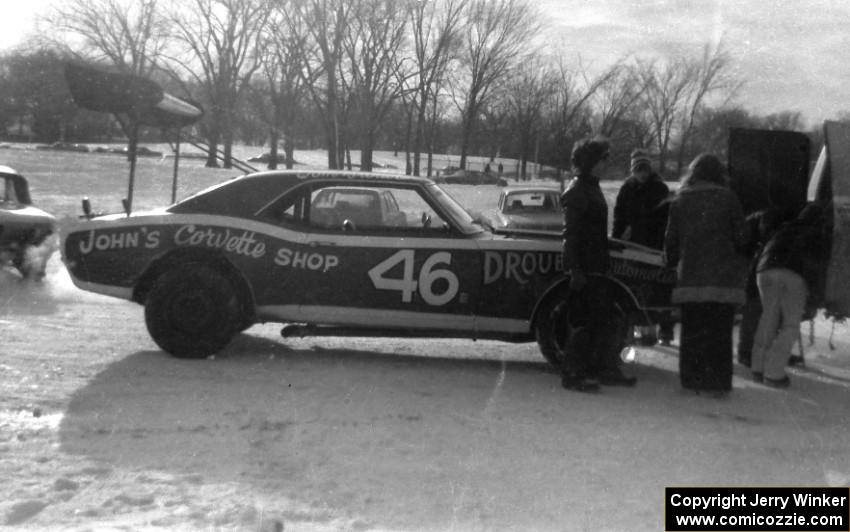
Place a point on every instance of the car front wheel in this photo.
(192, 311)
(553, 331)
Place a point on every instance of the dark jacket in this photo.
(800, 247)
(585, 226)
(705, 237)
(642, 209)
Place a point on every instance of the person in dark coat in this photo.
(640, 216)
(789, 274)
(640, 212)
(705, 236)
(586, 259)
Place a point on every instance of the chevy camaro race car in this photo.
(24, 229)
(340, 253)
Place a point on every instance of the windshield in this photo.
(454, 210)
(532, 201)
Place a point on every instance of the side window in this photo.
(286, 210)
(416, 212)
(8, 190)
(372, 209)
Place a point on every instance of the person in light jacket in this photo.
(706, 234)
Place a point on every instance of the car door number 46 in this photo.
(428, 276)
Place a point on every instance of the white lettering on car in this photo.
(242, 244)
(311, 261)
(519, 266)
(119, 240)
(429, 275)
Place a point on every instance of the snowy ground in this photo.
(99, 430)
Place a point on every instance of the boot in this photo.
(572, 381)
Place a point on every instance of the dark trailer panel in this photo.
(769, 169)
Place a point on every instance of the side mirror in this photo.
(86, 208)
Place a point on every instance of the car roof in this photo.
(530, 190)
(311, 175)
(9, 171)
(344, 188)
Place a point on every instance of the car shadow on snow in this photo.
(358, 429)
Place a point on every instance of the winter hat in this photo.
(640, 161)
(589, 151)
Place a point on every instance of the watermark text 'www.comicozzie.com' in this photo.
(750, 509)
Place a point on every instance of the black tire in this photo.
(193, 311)
(552, 329)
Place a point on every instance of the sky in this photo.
(793, 55)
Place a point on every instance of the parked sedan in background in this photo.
(24, 229)
(526, 209)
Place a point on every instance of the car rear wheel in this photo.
(193, 311)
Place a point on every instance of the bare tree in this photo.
(531, 85)
(618, 90)
(129, 34)
(283, 82)
(324, 25)
(496, 33)
(666, 89)
(435, 33)
(223, 38)
(569, 110)
(676, 90)
(373, 52)
(710, 74)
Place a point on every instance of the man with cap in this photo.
(589, 357)
(640, 212)
(640, 215)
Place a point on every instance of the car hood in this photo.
(540, 222)
(135, 214)
(28, 214)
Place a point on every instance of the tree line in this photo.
(465, 77)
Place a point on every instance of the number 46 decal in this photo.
(428, 275)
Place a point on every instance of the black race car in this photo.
(341, 253)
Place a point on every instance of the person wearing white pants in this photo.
(783, 298)
(789, 275)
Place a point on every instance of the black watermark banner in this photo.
(757, 509)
